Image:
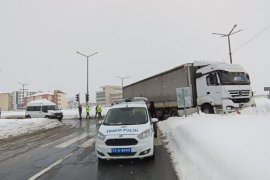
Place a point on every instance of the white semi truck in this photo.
(211, 87)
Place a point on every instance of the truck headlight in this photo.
(144, 134)
(229, 108)
(100, 136)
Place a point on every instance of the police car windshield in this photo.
(126, 116)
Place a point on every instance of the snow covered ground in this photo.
(18, 127)
(12, 123)
(221, 147)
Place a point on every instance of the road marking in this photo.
(48, 144)
(71, 141)
(88, 143)
(42, 146)
(49, 167)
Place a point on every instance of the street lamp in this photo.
(87, 57)
(228, 35)
(23, 84)
(122, 79)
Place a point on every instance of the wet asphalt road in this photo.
(67, 152)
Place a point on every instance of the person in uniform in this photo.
(87, 111)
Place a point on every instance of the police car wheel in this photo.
(153, 156)
(101, 160)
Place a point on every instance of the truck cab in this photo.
(223, 87)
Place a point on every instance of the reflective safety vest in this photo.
(87, 109)
(99, 109)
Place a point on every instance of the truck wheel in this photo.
(207, 109)
(174, 113)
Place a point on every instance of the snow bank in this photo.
(13, 114)
(223, 147)
(18, 127)
(13, 123)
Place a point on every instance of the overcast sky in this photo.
(136, 38)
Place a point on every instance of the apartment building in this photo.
(108, 94)
(17, 98)
(5, 101)
(58, 97)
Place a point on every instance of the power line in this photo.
(253, 38)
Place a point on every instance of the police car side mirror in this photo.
(154, 120)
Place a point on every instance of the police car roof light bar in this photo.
(136, 99)
(119, 101)
(133, 99)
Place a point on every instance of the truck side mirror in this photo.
(248, 76)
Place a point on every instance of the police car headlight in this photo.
(100, 136)
(144, 134)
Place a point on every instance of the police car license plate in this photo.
(121, 150)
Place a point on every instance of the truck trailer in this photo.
(209, 87)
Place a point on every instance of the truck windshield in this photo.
(126, 116)
(233, 78)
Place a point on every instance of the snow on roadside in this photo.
(18, 127)
(13, 123)
(13, 114)
(232, 146)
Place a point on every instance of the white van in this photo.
(43, 109)
(126, 132)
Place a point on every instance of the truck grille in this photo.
(121, 142)
(239, 93)
(241, 100)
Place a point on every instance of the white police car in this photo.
(126, 132)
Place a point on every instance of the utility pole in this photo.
(122, 79)
(23, 89)
(87, 90)
(229, 42)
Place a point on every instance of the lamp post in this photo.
(229, 42)
(87, 58)
(122, 80)
(23, 84)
